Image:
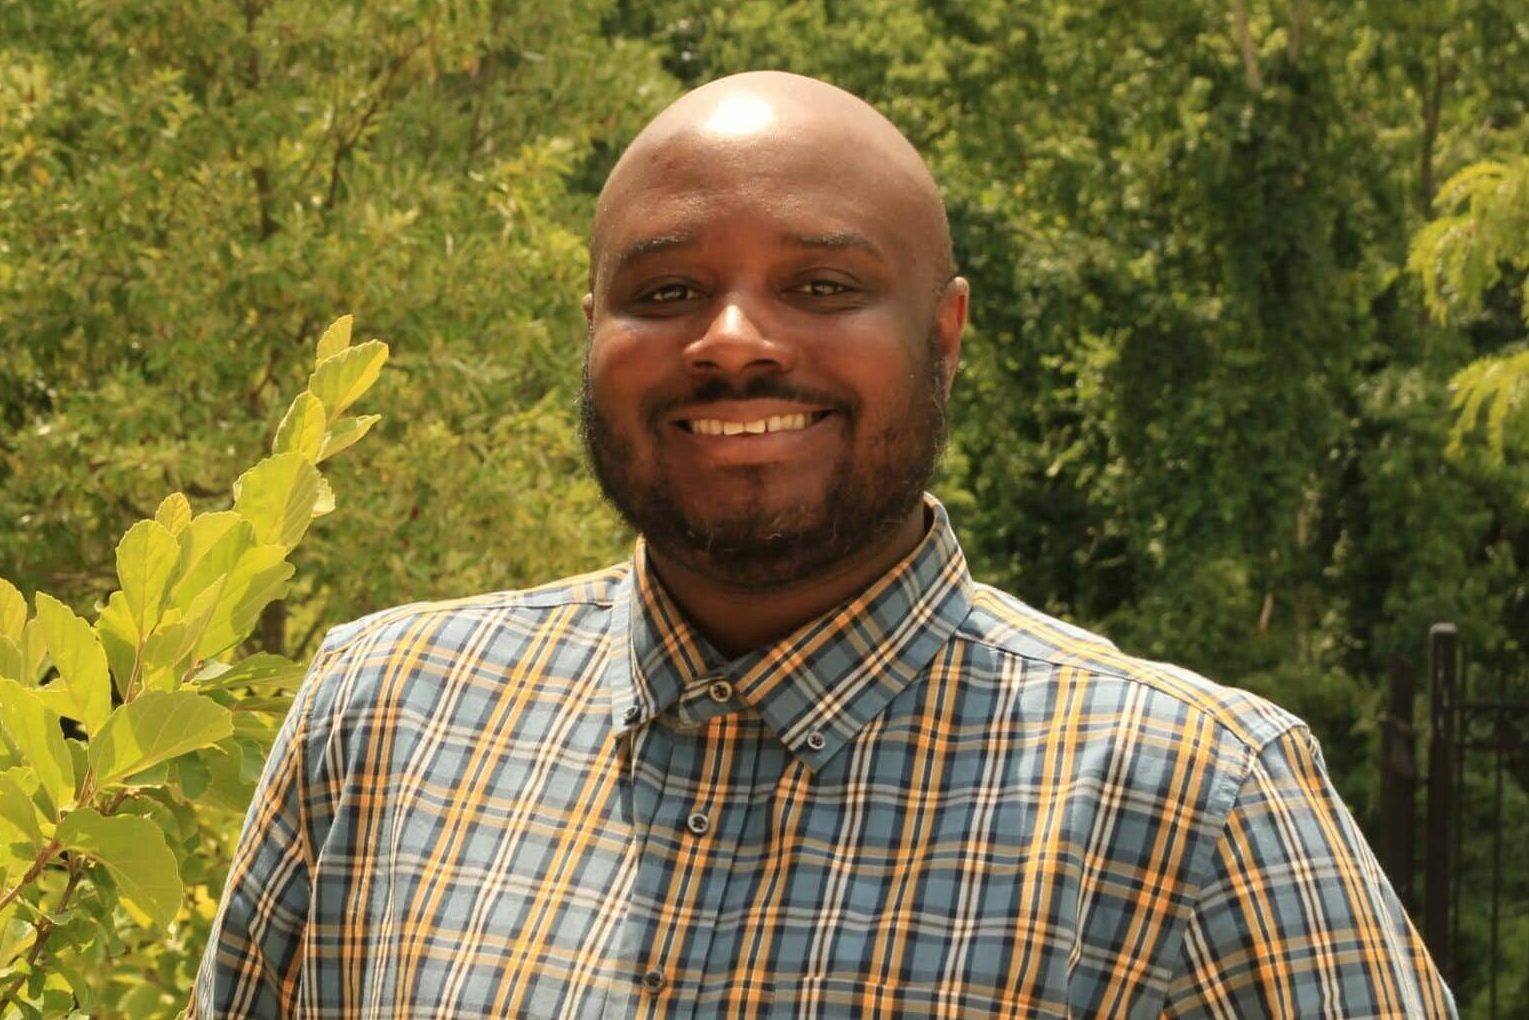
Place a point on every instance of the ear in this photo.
(588, 304)
(949, 321)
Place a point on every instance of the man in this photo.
(790, 761)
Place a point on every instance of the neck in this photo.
(738, 620)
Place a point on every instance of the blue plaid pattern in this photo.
(933, 801)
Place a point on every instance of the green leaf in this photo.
(34, 651)
(83, 678)
(146, 558)
(276, 496)
(340, 379)
(302, 428)
(17, 808)
(119, 637)
(155, 727)
(210, 548)
(323, 503)
(259, 670)
(13, 611)
(345, 433)
(169, 647)
(174, 513)
(10, 658)
(34, 728)
(259, 579)
(134, 851)
(335, 339)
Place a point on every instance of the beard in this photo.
(758, 545)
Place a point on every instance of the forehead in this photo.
(785, 188)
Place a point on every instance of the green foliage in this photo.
(107, 846)
(1460, 257)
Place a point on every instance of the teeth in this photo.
(775, 423)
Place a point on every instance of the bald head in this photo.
(763, 121)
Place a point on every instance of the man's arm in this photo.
(252, 962)
(1297, 919)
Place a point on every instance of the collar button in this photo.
(721, 691)
(632, 714)
(816, 740)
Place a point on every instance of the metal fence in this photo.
(1475, 885)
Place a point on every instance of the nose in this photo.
(734, 344)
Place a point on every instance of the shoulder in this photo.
(1012, 632)
(410, 655)
(594, 591)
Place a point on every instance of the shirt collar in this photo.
(817, 687)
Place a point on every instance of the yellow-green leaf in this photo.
(210, 549)
(34, 730)
(155, 727)
(10, 658)
(259, 579)
(13, 611)
(167, 650)
(302, 428)
(133, 849)
(174, 512)
(34, 651)
(81, 661)
(345, 433)
(146, 559)
(335, 339)
(323, 503)
(340, 379)
(259, 670)
(277, 496)
(119, 637)
(16, 806)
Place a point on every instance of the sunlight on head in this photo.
(740, 115)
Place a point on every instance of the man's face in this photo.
(768, 363)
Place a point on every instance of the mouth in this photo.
(795, 422)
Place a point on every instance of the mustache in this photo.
(716, 389)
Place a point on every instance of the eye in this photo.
(823, 288)
(668, 293)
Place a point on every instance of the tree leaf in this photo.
(10, 658)
(133, 849)
(345, 433)
(276, 496)
(81, 661)
(34, 728)
(13, 611)
(340, 379)
(119, 638)
(259, 670)
(211, 548)
(168, 648)
(323, 503)
(174, 512)
(302, 428)
(259, 579)
(335, 339)
(17, 808)
(146, 559)
(155, 727)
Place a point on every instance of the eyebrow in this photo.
(833, 240)
(651, 245)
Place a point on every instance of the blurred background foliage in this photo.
(1204, 406)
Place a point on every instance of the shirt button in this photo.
(816, 740)
(721, 691)
(698, 823)
(632, 714)
(654, 980)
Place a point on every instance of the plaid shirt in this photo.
(933, 801)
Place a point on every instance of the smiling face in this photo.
(771, 340)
